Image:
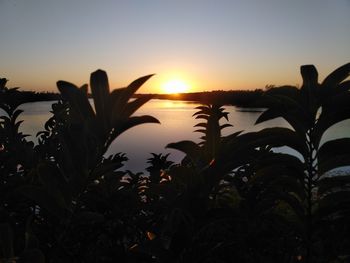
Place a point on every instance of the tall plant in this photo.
(113, 111)
(189, 198)
(73, 172)
(317, 199)
(17, 158)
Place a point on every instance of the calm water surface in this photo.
(176, 124)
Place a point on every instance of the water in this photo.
(176, 124)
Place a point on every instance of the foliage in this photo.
(319, 201)
(232, 198)
(17, 158)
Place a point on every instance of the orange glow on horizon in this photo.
(175, 86)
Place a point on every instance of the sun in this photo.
(175, 86)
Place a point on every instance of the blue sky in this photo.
(237, 44)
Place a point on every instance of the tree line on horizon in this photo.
(240, 98)
(231, 199)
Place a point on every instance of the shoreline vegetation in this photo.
(230, 199)
(239, 98)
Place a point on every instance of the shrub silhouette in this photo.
(17, 158)
(72, 171)
(320, 201)
(232, 198)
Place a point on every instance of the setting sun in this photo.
(175, 86)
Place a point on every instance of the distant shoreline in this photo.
(240, 98)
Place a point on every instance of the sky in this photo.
(205, 44)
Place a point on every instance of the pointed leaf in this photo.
(202, 116)
(190, 148)
(100, 93)
(16, 114)
(337, 76)
(278, 137)
(289, 109)
(310, 76)
(332, 115)
(202, 124)
(77, 99)
(200, 130)
(122, 125)
(127, 92)
(134, 105)
(225, 126)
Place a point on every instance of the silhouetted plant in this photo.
(192, 193)
(83, 136)
(113, 110)
(73, 171)
(319, 201)
(158, 165)
(232, 198)
(17, 158)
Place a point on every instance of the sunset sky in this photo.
(206, 45)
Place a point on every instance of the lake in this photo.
(176, 124)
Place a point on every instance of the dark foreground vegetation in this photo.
(231, 199)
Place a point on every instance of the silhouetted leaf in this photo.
(332, 115)
(190, 148)
(290, 110)
(202, 116)
(124, 95)
(336, 76)
(100, 93)
(290, 162)
(278, 137)
(332, 148)
(334, 162)
(343, 87)
(134, 105)
(202, 124)
(200, 130)
(227, 125)
(16, 114)
(310, 76)
(122, 125)
(334, 183)
(77, 99)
